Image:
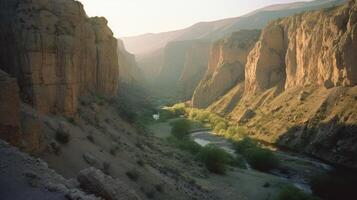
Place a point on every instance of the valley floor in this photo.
(244, 183)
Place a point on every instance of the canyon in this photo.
(77, 104)
(303, 61)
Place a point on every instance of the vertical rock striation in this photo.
(317, 47)
(226, 67)
(196, 62)
(56, 53)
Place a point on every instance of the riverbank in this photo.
(243, 183)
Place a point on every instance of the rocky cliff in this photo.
(57, 53)
(300, 85)
(196, 61)
(129, 71)
(312, 48)
(226, 67)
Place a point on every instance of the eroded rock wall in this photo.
(56, 53)
(226, 67)
(195, 66)
(317, 47)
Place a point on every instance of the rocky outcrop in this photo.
(129, 71)
(23, 177)
(300, 85)
(96, 182)
(195, 66)
(57, 53)
(316, 47)
(9, 109)
(226, 67)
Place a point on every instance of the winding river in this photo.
(299, 167)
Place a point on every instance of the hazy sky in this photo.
(134, 17)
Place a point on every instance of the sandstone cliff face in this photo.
(300, 85)
(226, 67)
(57, 53)
(196, 62)
(312, 48)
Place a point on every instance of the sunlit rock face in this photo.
(226, 67)
(299, 80)
(57, 53)
(317, 47)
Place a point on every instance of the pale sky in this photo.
(135, 17)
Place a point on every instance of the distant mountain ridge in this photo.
(148, 43)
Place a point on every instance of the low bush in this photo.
(293, 193)
(220, 126)
(180, 128)
(258, 158)
(261, 159)
(185, 144)
(214, 158)
(126, 113)
(62, 136)
(244, 144)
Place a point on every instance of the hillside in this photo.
(300, 85)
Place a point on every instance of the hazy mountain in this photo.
(147, 43)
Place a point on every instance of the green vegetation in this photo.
(185, 144)
(293, 193)
(181, 128)
(259, 158)
(215, 159)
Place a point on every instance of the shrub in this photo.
(90, 138)
(62, 136)
(159, 188)
(133, 175)
(258, 158)
(244, 144)
(178, 109)
(261, 159)
(140, 163)
(293, 193)
(238, 161)
(203, 116)
(220, 126)
(180, 128)
(185, 144)
(126, 113)
(214, 158)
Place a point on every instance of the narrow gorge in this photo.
(265, 101)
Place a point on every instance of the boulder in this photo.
(96, 182)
